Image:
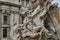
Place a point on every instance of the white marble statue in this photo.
(33, 25)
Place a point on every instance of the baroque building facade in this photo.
(15, 13)
(10, 15)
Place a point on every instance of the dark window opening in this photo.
(27, 0)
(5, 32)
(5, 19)
(19, 0)
(22, 0)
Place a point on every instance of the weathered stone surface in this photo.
(32, 20)
(34, 26)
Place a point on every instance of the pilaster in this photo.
(0, 26)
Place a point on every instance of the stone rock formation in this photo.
(37, 23)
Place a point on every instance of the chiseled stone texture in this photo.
(24, 23)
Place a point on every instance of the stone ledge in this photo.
(10, 4)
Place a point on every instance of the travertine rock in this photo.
(33, 27)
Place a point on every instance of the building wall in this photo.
(9, 11)
(58, 16)
(14, 17)
(11, 1)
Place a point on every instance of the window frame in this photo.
(5, 19)
(18, 0)
(8, 18)
(5, 32)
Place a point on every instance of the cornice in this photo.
(4, 11)
(10, 4)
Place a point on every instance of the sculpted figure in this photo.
(33, 27)
(33, 24)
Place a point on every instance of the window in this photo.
(22, 2)
(19, 0)
(5, 19)
(5, 32)
(27, 0)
